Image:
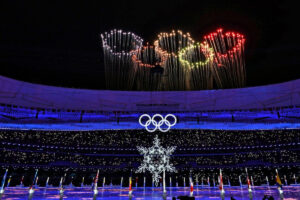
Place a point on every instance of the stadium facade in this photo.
(63, 131)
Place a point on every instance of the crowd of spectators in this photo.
(202, 152)
(132, 138)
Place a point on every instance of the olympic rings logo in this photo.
(157, 124)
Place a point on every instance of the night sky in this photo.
(58, 43)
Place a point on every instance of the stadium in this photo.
(175, 119)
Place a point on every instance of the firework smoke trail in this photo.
(145, 60)
(171, 44)
(229, 64)
(197, 60)
(118, 48)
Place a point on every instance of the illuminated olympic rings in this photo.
(157, 124)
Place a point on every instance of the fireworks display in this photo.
(118, 48)
(170, 44)
(197, 60)
(174, 62)
(229, 66)
(148, 69)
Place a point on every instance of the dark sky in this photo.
(58, 43)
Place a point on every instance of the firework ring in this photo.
(240, 39)
(138, 61)
(166, 35)
(204, 47)
(106, 36)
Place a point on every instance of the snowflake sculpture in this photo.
(156, 159)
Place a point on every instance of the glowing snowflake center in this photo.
(156, 160)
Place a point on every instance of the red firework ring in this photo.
(230, 52)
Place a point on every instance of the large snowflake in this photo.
(156, 159)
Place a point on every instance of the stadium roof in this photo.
(18, 93)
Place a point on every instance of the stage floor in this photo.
(117, 193)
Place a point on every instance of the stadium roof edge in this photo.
(19, 93)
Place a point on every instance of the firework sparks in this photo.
(229, 66)
(171, 44)
(197, 60)
(148, 64)
(118, 48)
